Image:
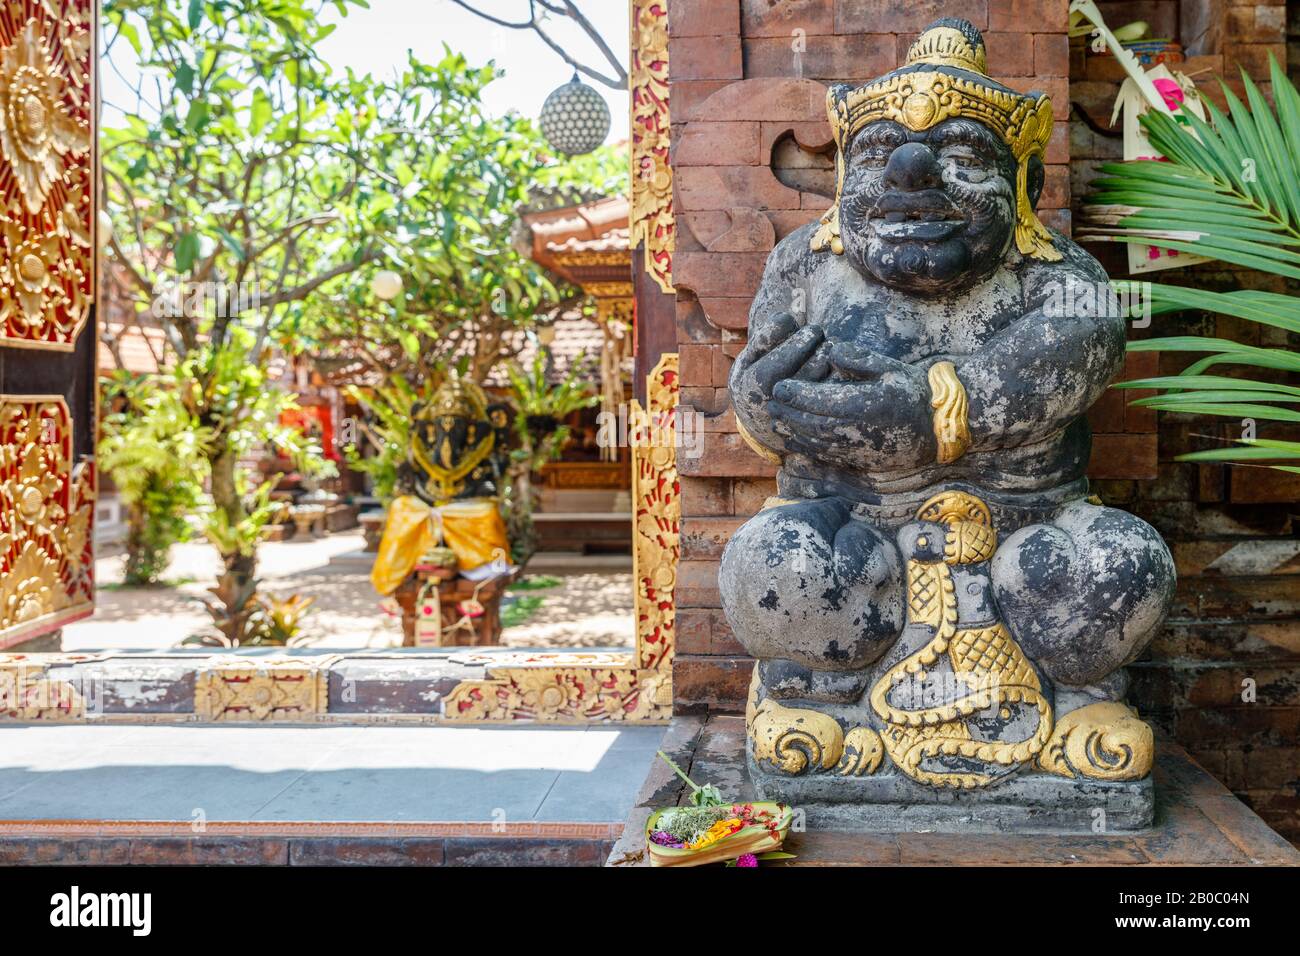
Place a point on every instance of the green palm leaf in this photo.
(1229, 189)
(1252, 450)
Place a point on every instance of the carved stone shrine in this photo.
(940, 613)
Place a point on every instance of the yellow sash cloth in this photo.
(473, 529)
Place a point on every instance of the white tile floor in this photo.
(425, 774)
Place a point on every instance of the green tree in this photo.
(150, 448)
(446, 223)
(224, 185)
(470, 296)
(253, 195)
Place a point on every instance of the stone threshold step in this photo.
(305, 843)
(258, 686)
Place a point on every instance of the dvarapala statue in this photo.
(449, 486)
(940, 613)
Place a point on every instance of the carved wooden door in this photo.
(48, 108)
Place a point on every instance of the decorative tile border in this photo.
(260, 688)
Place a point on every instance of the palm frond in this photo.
(1228, 189)
(1255, 451)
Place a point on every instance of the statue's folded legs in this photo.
(940, 613)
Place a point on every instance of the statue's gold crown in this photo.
(948, 46)
(946, 76)
(456, 397)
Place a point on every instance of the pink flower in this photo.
(747, 859)
(1170, 92)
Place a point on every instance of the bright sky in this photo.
(376, 40)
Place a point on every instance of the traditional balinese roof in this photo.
(586, 245)
(576, 339)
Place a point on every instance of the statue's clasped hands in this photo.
(836, 400)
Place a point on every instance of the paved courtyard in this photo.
(589, 608)
(426, 774)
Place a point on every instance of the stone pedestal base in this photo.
(1027, 803)
(1196, 821)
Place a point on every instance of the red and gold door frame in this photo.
(48, 274)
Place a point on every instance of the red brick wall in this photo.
(1236, 617)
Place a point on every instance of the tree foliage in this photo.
(448, 225)
(223, 184)
(254, 193)
(150, 447)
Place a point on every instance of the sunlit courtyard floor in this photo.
(585, 609)
(274, 773)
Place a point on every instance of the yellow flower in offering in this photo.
(723, 828)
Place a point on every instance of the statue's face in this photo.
(930, 212)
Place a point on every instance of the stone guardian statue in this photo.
(940, 613)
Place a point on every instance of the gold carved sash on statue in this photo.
(986, 662)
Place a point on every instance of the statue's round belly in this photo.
(1050, 469)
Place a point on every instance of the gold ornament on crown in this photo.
(46, 132)
(918, 99)
(46, 508)
(652, 224)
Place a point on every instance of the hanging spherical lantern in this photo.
(386, 285)
(575, 118)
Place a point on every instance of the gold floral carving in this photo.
(589, 257)
(28, 693)
(797, 740)
(1102, 741)
(267, 689)
(614, 288)
(619, 309)
(571, 688)
(46, 132)
(46, 509)
(562, 694)
(657, 507)
(652, 225)
(863, 752)
(794, 739)
(987, 666)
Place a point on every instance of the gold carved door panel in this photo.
(48, 109)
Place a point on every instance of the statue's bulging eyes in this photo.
(964, 158)
(876, 158)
